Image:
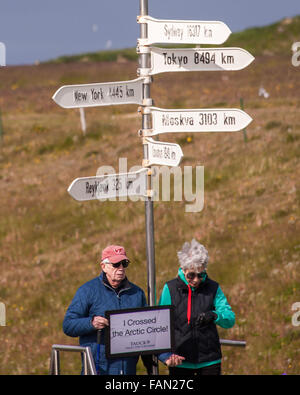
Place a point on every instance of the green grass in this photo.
(101, 56)
(272, 39)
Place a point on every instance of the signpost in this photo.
(165, 60)
(183, 32)
(109, 186)
(198, 120)
(101, 94)
(155, 121)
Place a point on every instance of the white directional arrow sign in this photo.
(184, 32)
(100, 94)
(2, 54)
(160, 153)
(109, 186)
(198, 120)
(192, 59)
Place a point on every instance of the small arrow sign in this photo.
(109, 186)
(160, 153)
(2, 54)
(192, 59)
(184, 32)
(100, 94)
(198, 120)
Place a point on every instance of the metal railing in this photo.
(88, 361)
(235, 343)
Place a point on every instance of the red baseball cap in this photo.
(114, 254)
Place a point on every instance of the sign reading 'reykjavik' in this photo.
(161, 153)
(140, 330)
(100, 94)
(109, 186)
(184, 32)
(192, 59)
(198, 120)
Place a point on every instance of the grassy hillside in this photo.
(50, 244)
(267, 40)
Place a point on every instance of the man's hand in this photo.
(174, 360)
(99, 322)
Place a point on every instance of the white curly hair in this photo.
(193, 256)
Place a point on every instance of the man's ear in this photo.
(102, 265)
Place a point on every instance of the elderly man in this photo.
(200, 305)
(86, 313)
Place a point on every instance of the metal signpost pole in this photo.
(144, 60)
(144, 63)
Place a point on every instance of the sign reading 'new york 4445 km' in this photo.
(100, 94)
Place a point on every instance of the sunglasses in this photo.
(192, 275)
(125, 264)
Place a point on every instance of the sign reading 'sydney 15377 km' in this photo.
(183, 32)
(100, 94)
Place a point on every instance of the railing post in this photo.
(88, 361)
(54, 363)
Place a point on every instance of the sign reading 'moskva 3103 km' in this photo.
(198, 120)
(100, 94)
(194, 59)
(183, 32)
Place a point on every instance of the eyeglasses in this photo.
(192, 275)
(125, 264)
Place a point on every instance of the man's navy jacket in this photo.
(94, 298)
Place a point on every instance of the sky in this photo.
(40, 30)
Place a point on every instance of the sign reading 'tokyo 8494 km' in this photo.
(194, 59)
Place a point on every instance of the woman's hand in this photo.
(174, 360)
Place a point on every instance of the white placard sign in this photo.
(198, 59)
(161, 153)
(184, 32)
(109, 186)
(2, 54)
(144, 330)
(100, 94)
(198, 120)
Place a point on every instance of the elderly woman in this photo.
(200, 305)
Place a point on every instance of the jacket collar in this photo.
(125, 284)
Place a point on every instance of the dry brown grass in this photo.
(50, 243)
